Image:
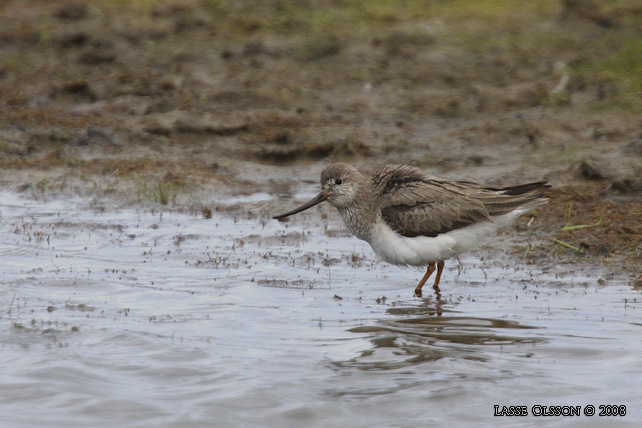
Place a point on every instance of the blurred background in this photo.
(178, 101)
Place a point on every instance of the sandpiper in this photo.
(412, 218)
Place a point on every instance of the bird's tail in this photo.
(521, 198)
(537, 187)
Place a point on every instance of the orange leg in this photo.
(440, 269)
(429, 271)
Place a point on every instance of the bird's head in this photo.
(339, 186)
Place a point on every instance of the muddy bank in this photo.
(177, 103)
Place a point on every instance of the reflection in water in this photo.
(421, 334)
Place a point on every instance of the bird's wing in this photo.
(417, 204)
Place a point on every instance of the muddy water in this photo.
(141, 317)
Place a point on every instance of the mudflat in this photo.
(181, 102)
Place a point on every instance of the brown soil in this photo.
(182, 101)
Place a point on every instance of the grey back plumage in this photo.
(417, 204)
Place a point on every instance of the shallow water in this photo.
(140, 317)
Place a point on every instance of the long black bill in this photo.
(312, 202)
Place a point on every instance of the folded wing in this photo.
(417, 204)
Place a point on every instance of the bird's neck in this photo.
(361, 216)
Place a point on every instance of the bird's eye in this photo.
(338, 181)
